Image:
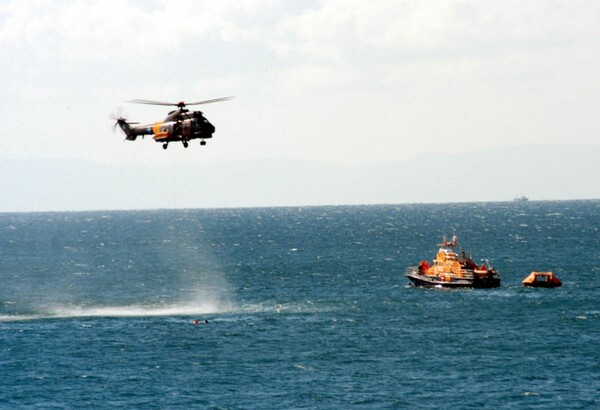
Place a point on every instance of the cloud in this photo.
(332, 32)
(339, 81)
(123, 29)
(438, 25)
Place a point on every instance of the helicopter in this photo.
(180, 124)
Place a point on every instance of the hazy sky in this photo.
(345, 82)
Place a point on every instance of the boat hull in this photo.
(429, 281)
(542, 285)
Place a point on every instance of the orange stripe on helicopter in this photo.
(159, 134)
(156, 127)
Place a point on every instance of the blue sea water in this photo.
(307, 308)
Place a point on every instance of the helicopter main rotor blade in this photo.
(179, 104)
(151, 102)
(210, 101)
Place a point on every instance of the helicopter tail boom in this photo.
(129, 134)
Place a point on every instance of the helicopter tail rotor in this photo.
(121, 121)
(117, 117)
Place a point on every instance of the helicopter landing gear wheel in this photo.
(185, 144)
(165, 145)
(202, 142)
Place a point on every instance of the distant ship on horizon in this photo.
(521, 198)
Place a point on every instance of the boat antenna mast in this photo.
(449, 244)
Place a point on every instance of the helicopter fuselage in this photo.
(180, 125)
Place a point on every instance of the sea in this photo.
(291, 308)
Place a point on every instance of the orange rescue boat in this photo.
(542, 280)
(449, 270)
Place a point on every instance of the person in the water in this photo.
(205, 322)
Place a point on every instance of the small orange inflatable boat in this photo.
(542, 280)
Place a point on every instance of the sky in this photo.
(343, 82)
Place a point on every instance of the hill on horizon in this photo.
(541, 172)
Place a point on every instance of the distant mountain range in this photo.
(537, 171)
